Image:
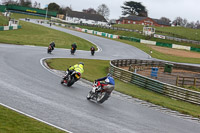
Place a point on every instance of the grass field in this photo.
(18, 16)
(193, 34)
(13, 122)
(146, 48)
(137, 35)
(3, 20)
(100, 68)
(33, 34)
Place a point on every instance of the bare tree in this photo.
(191, 25)
(184, 23)
(38, 5)
(64, 10)
(103, 10)
(178, 21)
(164, 19)
(6, 2)
(35, 4)
(197, 25)
(90, 10)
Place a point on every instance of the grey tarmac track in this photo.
(26, 86)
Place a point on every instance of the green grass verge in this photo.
(146, 48)
(13, 122)
(98, 68)
(137, 35)
(162, 56)
(3, 20)
(189, 33)
(19, 15)
(33, 34)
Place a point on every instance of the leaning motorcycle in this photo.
(71, 78)
(73, 51)
(49, 49)
(99, 96)
(92, 52)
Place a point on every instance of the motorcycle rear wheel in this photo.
(62, 81)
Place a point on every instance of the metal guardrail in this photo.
(151, 84)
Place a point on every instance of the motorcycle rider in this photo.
(74, 46)
(92, 49)
(76, 67)
(52, 44)
(109, 83)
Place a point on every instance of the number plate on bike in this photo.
(77, 76)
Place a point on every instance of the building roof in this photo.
(88, 16)
(161, 22)
(138, 18)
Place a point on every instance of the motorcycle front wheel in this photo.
(89, 95)
(71, 82)
(102, 97)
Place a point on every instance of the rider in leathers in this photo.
(52, 44)
(77, 68)
(108, 84)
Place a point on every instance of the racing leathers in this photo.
(77, 68)
(109, 83)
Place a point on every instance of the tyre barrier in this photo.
(3, 28)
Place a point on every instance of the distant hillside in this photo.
(180, 32)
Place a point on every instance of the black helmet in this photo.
(81, 63)
(109, 75)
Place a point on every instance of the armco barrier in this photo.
(151, 84)
(164, 44)
(195, 49)
(180, 47)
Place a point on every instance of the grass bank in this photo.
(138, 35)
(158, 55)
(3, 20)
(19, 15)
(98, 68)
(188, 33)
(33, 34)
(13, 122)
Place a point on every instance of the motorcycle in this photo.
(49, 49)
(71, 78)
(73, 51)
(92, 52)
(97, 95)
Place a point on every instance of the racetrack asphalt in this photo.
(26, 86)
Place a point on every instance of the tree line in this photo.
(136, 8)
(128, 8)
(27, 3)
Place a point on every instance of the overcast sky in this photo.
(189, 9)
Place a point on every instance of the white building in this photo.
(85, 18)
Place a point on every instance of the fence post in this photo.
(195, 79)
(183, 81)
(177, 79)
